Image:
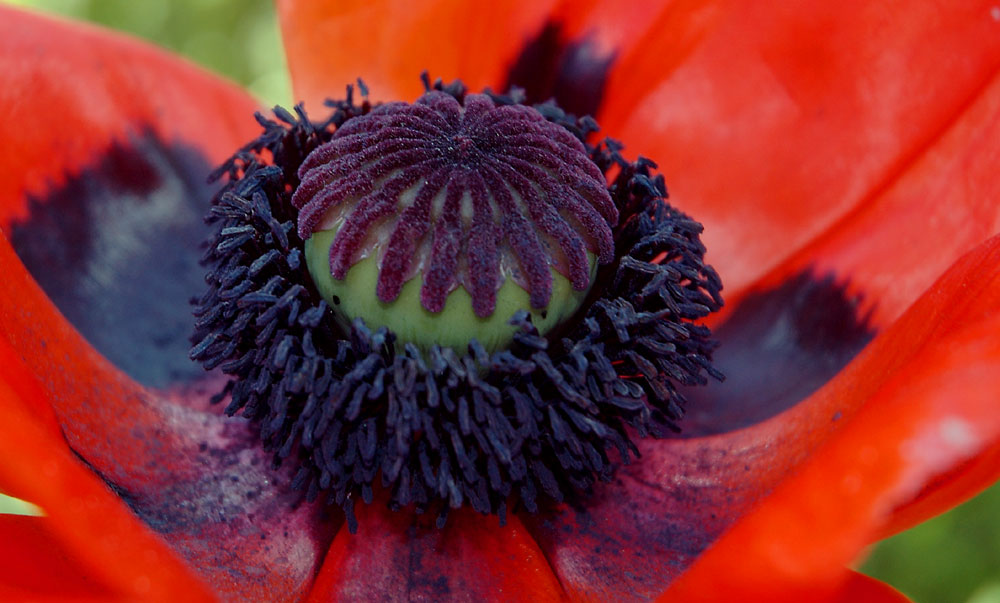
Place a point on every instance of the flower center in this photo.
(456, 194)
(462, 214)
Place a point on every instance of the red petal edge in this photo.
(946, 491)
(894, 248)
(859, 588)
(96, 535)
(934, 411)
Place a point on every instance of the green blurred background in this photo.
(236, 38)
(953, 558)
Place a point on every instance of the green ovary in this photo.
(453, 327)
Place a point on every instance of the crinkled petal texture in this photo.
(852, 221)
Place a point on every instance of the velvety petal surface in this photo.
(69, 91)
(582, 43)
(892, 249)
(200, 480)
(938, 203)
(87, 537)
(553, 49)
(786, 120)
(939, 206)
(663, 511)
(388, 43)
(928, 387)
(30, 557)
(107, 147)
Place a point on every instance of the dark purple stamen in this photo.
(497, 185)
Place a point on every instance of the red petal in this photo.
(552, 48)
(388, 43)
(892, 249)
(853, 588)
(946, 491)
(30, 556)
(859, 588)
(399, 556)
(69, 90)
(664, 510)
(606, 42)
(928, 387)
(87, 532)
(582, 42)
(19, 378)
(787, 118)
(636, 34)
(68, 93)
(908, 232)
(199, 478)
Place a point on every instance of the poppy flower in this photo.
(841, 160)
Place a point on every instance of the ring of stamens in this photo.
(441, 428)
